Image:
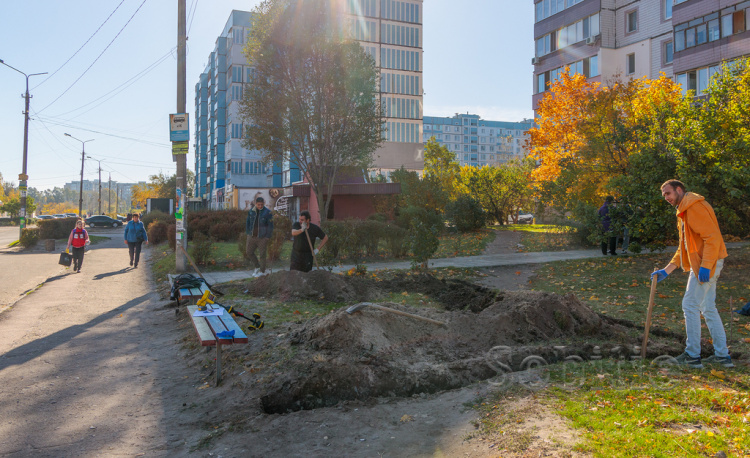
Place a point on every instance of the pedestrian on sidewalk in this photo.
(701, 252)
(135, 235)
(303, 248)
(78, 239)
(607, 235)
(258, 227)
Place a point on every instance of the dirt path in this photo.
(510, 278)
(88, 363)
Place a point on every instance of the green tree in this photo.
(313, 97)
(441, 167)
(501, 190)
(13, 206)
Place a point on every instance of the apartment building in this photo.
(707, 33)
(221, 163)
(389, 30)
(478, 142)
(601, 39)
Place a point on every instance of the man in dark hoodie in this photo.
(606, 224)
(701, 252)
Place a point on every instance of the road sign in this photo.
(179, 127)
(179, 148)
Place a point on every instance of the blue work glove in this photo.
(704, 274)
(660, 275)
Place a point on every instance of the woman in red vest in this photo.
(79, 238)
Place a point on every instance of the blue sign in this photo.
(179, 127)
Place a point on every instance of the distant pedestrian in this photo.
(135, 235)
(78, 239)
(303, 248)
(701, 251)
(258, 227)
(606, 225)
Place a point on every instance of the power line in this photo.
(79, 49)
(122, 86)
(97, 58)
(145, 142)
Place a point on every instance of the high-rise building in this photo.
(221, 163)
(603, 39)
(389, 30)
(478, 142)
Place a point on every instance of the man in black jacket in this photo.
(258, 227)
(305, 233)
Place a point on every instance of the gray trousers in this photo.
(261, 244)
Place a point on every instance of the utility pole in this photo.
(23, 177)
(117, 201)
(83, 160)
(181, 108)
(100, 187)
(109, 196)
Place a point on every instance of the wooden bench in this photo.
(207, 328)
(189, 295)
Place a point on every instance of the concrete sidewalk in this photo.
(491, 260)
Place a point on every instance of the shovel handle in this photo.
(654, 280)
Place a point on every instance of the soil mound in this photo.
(325, 286)
(376, 353)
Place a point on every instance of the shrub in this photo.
(282, 230)
(201, 248)
(408, 215)
(171, 234)
(29, 237)
(220, 231)
(156, 215)
(203, 221)
(396, 239)
(423, 242)
(466, 214)
(157, 232)
(378, 217)
(56, 228)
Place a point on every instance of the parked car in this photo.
(59, 216)
(45, 217)
(527, 218)
(102, 221)
(71, 215)
(122, 218)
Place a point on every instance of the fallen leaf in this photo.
(406, 418)
(718, 374)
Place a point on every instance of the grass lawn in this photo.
(620, 287)
(545, 237)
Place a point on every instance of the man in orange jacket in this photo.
(701, 251)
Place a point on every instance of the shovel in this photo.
(362, 305)
(654, 280)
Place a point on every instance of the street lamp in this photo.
(23, 177)
(83, 158)
(100, 182)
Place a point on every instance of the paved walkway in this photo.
(490, 260)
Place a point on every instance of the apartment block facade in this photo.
(609, 39)
(478, 142)
(389, 30)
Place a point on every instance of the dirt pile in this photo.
(375, 353)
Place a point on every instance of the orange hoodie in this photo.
(701, 234)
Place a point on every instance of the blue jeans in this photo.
(701, 298)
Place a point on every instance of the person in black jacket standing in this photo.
(305, 233)
(258, 227)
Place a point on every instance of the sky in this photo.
(112, 73)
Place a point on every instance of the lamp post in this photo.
(23, 177)
(100, 183)
(83, 158)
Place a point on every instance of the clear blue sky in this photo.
(476, 58)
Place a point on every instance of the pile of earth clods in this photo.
(373, 353)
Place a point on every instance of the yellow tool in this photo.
(205, 300)
(209, 299)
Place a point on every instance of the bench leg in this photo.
(218, 363)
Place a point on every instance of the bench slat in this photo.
(217, 325)
(239, 335)
(205, 336)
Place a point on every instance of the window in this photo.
(630, 64)
(668, 8)
(726, 25)
(668, 53)
(631, 19)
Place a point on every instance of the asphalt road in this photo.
(8, 235)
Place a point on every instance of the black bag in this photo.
(65, 259)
